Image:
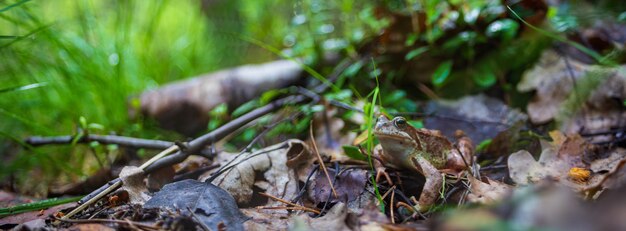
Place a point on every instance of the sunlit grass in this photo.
(88, 58)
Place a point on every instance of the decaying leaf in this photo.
(479, 116)
(349, 186)
(275, 170)
(555, 161)
(90, 227)
(132, 178)
(210, 204)
(552, 79)
(563, 160)
(337, 218)
(160, 177)
(261, 219)
(484, 193)
(582, 98)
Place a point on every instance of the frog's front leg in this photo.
(434, 181)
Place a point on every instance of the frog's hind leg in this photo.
(434, 181)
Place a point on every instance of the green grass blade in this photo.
(13, 5)
(576, 45)
(23, 87)
(370, 140)
(34, 206)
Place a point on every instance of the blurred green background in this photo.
(66, 61)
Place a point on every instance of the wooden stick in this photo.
(319, 158)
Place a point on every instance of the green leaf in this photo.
(485, 79)
(441, 73)
(353, 69)
(622, 17)
(82, 122)
(95, 126)
(503, 28)
(246, 107)
(414, 53)
(268, 96)
(248, 134)
(411, 39)
(484, 75)
(219, 110)
(353, 152)
(483, 145)
(416, 124)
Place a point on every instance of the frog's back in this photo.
(435, 147)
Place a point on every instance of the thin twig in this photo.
(393, 194)
(295, 206)
(116, 184)
(103, 139)
(269, 128)
(290, 208)
(121, 222)
(319, 158)
(198, 220)
(405, 205)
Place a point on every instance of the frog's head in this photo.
(396, 136)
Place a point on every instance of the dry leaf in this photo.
(132, 179)
(563, 162)
(479, 117)
(157, 179)
(582, 98)
(268, 170)
(349, 186)
(555, 161)
(484, 193)
(335, 219)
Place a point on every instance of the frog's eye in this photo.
(400, 122)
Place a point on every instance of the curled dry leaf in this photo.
(337, 218)
(275, 169)
(349, 186)
(562, 161)
(132, 178)
(157, 179)
(211, 205)
(610, 171)
(582, 98)
(552, 79)
(484, 193)
(555, 162)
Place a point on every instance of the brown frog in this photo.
(426, 151)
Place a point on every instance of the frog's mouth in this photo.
(396, 138)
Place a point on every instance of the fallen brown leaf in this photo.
(266, 169)
(487, 193)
